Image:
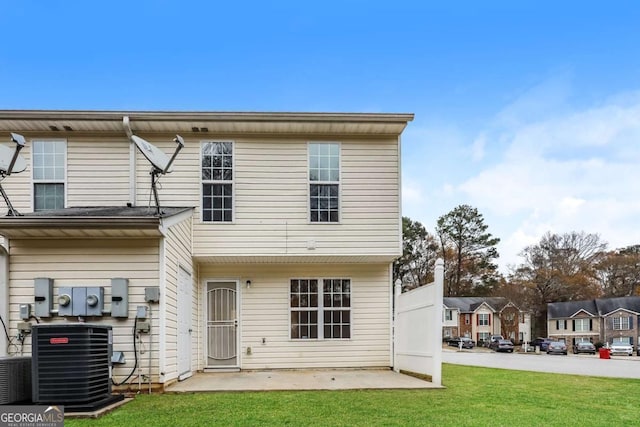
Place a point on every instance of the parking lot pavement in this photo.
(582, 364)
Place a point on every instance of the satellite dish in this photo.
(6, 156)
(156, 157)
(159, 160)
(11, 162)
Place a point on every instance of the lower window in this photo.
(217, 203)
(48, 196)
(320, 308)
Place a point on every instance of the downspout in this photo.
(4, 297)
(132, 161)
(396, 288)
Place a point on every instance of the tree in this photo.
(561, 267)
(419, 253)
(468, 251)
(619, 272)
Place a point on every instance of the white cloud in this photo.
(477, 148)
(574, 171)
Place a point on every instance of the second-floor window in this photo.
(483, 319)
(49, 174)
(217, 181)
(621, 323)
(448, 315)
(467, 319)
(561, 324)
(324, 182)
(582, 325)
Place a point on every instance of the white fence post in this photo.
(438, 283)
(418, 328)
(397, 291)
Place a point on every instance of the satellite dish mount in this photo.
(11, 162)
(160, 162)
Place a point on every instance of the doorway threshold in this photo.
(212, 369)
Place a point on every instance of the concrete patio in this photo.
(306, 379)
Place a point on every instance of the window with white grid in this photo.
(217, 181)
(48, 173)
(621, 323)
(320, 308)
(324, 182)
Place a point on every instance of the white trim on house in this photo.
(339, 183)
(64, 180)
(618, 310)
(233, 181)
(162, 335)
(167, 222)
(582, 310)
(205, 334)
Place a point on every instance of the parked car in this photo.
(543, 343)
(501, 345)
(584, 347)
(466, 342)
(621, 348)
(557, 347)
(492, 339)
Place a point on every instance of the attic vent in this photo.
(68, 128)
(54, 128)
(195, 129)
(204, 129)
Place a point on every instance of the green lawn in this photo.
(473, 397)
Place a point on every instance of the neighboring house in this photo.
(274, 248)
(480, 317)
(603, 320)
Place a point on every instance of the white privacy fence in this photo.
(418, 328)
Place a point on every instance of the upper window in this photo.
(483, 319)
(49, 172)
(320, 308)
(448, 315)
(561, 324)
(621, 323)
(324, 182)
(582, 325)
(217, 181)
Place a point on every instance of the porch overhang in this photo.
(293, 259)
(88, 223)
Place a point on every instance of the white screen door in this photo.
(222, 324)
(184, 323)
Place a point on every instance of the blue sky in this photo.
(529, 111)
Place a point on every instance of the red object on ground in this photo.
(605, 353)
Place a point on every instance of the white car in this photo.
(621, 348)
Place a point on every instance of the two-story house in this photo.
(480, 317)
(273, 247)
(603, 320)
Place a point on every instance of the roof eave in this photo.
(26, 227)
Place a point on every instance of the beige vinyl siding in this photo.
(271, 192)
(97, 171)
(177, 250)
(265, 314)
(181, 187)
(18, 185)
(89, 263)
